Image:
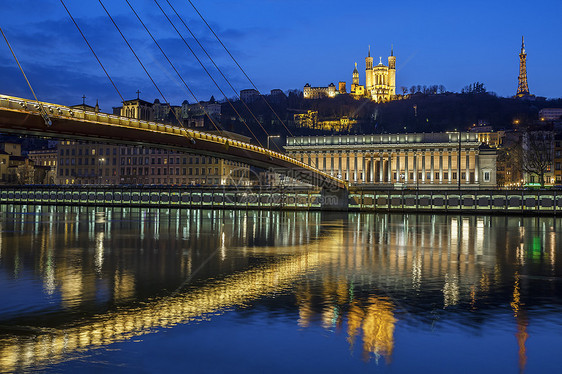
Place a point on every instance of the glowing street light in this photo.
(271, 137)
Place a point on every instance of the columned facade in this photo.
(400, 160)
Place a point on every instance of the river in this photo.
(157, 290)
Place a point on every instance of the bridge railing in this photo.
(61, 111)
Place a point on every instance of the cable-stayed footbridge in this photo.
(30, 117)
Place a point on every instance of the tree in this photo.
(536, 153)
(25, 174)
(474, 88)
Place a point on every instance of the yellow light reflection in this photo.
(237, 289)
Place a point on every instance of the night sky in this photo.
(281, 44)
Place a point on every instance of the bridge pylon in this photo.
(334, 198)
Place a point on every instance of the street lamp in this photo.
(459, 163)
(101, 162)
(271, 137)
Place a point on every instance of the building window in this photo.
(486, 176)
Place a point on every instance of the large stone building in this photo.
(249, 95)
(97, 163)
(550, 114)
(190, 115)
(380, 80)
(310, 92)
(401, 160)
(16, 168)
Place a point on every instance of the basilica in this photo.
(380, 82)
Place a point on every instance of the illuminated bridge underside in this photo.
(236, 290)
(24, 117)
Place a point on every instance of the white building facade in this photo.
(401, 160)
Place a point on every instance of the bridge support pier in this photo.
(334, 199)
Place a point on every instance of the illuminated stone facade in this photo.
(401, 160)
(310, 120)
(319, 92)
(380, 80)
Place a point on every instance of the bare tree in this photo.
(25, 174)
(536, 153)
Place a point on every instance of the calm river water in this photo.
(151, 290)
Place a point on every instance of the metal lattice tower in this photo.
(522, 88)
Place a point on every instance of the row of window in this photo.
(178, 181)
(151, 171)
(144, 161)
(329, 162)
(401, 177)
(393, 152)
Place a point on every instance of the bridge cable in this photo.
(173, 67)
(206, 71)
(144, 68)
(44, 114)
(92, 50)
(247, 77)
(219, 70)
(240, 67)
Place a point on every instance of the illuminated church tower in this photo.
(392, 73)
(355, 79)
(368, 70)
(380, 80)
(357, 90)
(522, 88)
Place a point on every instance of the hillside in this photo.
(418, 113)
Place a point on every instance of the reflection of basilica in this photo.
(361, 273)
(391, 264)
(371, 320)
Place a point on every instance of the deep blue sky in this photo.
(282, 44)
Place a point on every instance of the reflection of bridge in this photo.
(52, 346)
(29, 117)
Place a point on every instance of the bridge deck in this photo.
(24, 116)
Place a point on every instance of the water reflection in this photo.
(79, 278)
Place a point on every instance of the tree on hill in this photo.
(474, 88)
